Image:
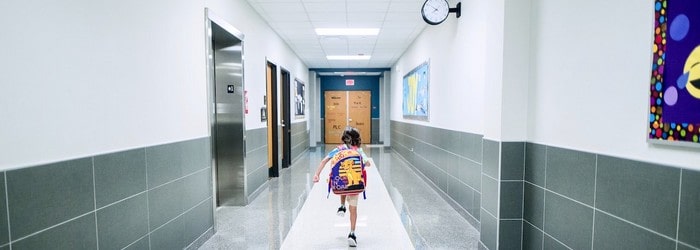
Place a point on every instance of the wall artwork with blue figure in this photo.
(415, 93)
(674, 100)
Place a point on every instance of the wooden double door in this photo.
(347, 108)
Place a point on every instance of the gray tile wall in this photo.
(502, 197)
(582, 200)
(555, 198)
(375, 131)
(300, 139)
(256, 165)
(449, 160)
(156, 197)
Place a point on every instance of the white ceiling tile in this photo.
(281, 8)
(294, 20)
(292, 25)
(367, 16)
(327, 16)
(323, 1)
(404, 16)
(407, 6)
(366, 24)
(368, 6)
(324, 6)
(276, 1)
(334, 24)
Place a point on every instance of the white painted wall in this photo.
(590, 79)
(516, 69)
(85, 77)
(82, 77)
(456, 50)
(493, 90)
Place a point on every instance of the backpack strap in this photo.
(329, 189)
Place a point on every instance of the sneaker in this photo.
(341, 211)
(352, 240)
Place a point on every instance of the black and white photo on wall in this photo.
(299, 98)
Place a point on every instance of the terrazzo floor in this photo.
(412, 209)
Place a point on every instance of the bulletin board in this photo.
(674, 110)
(416, 95)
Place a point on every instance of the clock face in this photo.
(435, 11)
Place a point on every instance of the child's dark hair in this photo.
(352, 137)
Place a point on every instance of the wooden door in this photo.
(359, 113)
(347, 108)
(336, 116)
(271, 115)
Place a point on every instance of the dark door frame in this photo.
(286, 119)
(272, 118)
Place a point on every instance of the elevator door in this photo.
(347, 108)
(228, 129)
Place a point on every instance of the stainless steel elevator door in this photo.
(229, 123)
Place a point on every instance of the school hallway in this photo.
(491, 124)
(292, 213)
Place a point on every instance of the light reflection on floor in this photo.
(430, 221)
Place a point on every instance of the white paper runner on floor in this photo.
(318, 227)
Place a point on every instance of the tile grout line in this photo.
(499, 164)
(595, 190)
(602, 211)
(470, 186)
(181, 214)
(179, 178)
(635, 224)
(435, 146)
(7, 206)
(544, 196)
(418, 174)
(678, 214)
(148, 205)
(564, 196)
(421, 176)
(522, 203)
(555, 239)
(94, 202)
(550, 236)
(51, 227)
(687, 245)
(124, 199)
(137, 240)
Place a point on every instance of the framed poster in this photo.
(674, 100)
(416, 93)
(299, 98)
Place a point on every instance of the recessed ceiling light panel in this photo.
(347, 32)
(349, 57)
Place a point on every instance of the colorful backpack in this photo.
(348, 176)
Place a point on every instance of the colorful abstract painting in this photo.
(415, 93)
(674, 113)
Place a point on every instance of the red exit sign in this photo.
(349, 82)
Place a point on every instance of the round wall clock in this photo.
(435, 11)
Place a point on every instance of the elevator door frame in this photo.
(210, 19)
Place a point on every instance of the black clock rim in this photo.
(422, 12)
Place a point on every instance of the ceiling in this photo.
(399, 21)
